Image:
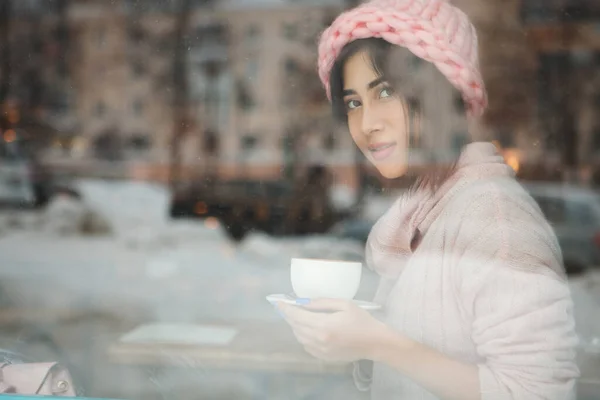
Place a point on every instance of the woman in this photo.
(476, 303)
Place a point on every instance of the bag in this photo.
(45, 379)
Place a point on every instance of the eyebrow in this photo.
(371, 85)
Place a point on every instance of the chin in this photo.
(392, 172)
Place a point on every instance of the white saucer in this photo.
(287, 299)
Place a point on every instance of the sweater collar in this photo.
(409, 218)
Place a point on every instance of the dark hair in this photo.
(381, 55)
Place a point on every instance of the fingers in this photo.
(313, 351)
(310, 329)
(329, 305)
(319, 339)
(305, 336)
(298, 316)
(309, 341)
(321, 353)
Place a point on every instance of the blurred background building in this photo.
(190, 88)
(220, 161)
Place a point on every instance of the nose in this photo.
(371, 120)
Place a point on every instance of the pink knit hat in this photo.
(433, 30)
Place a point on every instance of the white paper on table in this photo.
(181, 334)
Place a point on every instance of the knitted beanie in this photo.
(433, 30)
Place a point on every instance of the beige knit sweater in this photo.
(484, 286)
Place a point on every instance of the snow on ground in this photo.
(200, 275)
(375, 205)
(342, 197)
(126, 203)
(170, 270)
(182, 270)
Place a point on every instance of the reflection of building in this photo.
(540, 60)
(210, 83)
(254, 95)
(564, 35)
(508, 69)
(240, 62)
(550, 11)
(122, 77)
(280, 115)
(39, 90)
(254, 54)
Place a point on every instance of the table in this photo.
(267, 351)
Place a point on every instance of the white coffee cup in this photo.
(314, 278)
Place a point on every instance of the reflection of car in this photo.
(275, 207)
(574, 213)
(239, 205)
(15, 182)
(353, 228)
(23, 181)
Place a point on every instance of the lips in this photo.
(380, 151)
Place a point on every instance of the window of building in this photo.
(62, 69)
(582, 57)
(37, 44)
(581, 10)
(288, 141)
(596, 140)
(100, 109)
(108, 145)
(138, 69)
(101, 37)
(291, 66)
(101, 69)
(140, 142)
(535, 11)
(252, 35)
(216, 34)
(136, 35)
(224, 87)
(290, 30)
(61, 33)
(138, 107)
(210, 142)
(252, 67)
(248, 142)
(253, 30)
(245, 98)
(61, 101)
(538, 11)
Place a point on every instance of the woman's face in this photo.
(376, 117)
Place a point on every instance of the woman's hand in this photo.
(334, 330)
